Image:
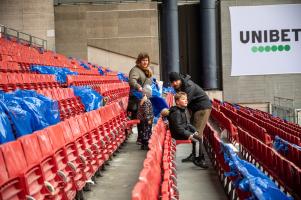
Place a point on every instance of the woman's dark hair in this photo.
(141, 56)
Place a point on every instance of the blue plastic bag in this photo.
(168, 90)
(60, 73)
(158, 104)
(122, 77)
(250, 178)
(46, 109)
(90, 98)
(21, 119)
(155, 89)
(6, 132)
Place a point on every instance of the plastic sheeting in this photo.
(29, 111)
(168, 90)
(60, 73)
(90, 98)
(100, 71)
(122, 77)
(44, 110)
(21, 119)
(282, 145)
(6, 132)
(250, 178)
(84, 65)
(155, 89)
(158, 104)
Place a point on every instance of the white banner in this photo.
(266, 39)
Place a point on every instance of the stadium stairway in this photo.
(121, 174)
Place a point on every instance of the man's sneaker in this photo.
(200, 163)
(190, 158)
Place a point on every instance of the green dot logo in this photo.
(260, 48)
(267, 48)
(254, 49)
(287, 47)
(274, 48)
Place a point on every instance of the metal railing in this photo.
(284, 108)
(22, 37)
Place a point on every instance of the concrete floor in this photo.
(195, 182)
(120, 177)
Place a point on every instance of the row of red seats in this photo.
(233, 116)
(247, 124)
(157, 179)
(69, 104)
(272, 130)
(13, 81)
(83, 71)
(254, 129)
(18, 53)
(213, 145)
(225, 123)
(286, 173)
(12, 67)
(57, 161)
(113, 91)
(286, 128)
(278, 120)
(82, 80)
(169, 188)
(292, 153)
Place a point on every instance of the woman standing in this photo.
(139, 76)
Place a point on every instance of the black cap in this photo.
(174, 76)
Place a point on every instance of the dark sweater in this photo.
(179, 125)
(197, 98)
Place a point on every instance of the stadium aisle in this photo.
(194, 182)
(121, 175)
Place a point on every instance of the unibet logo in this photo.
(270, 36)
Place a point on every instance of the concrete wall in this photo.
(35, 17)
(254, 89)
(116, 61)
(119, 29)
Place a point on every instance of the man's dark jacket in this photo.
(197, 98)
(179, 126)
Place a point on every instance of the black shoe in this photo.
(144, 147)
(190, 158)
(200, 163)
(202, 157)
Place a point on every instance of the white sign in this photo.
(266, 39)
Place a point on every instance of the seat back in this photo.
(12, 163)
(31, 149)
(14, 158)
(67, 132)
(44, 142)
(56, 136)
(82, 123)
(74, 127)
(3, 171)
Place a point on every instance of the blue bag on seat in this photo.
(6, 132)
